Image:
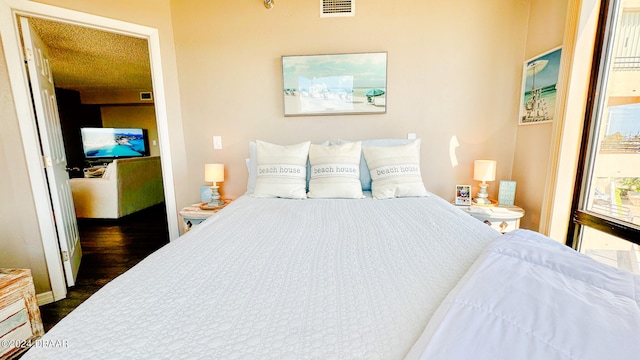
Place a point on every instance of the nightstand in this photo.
(20, 322)
(194, 214)
(501, 218)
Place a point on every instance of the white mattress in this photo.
(282, 279)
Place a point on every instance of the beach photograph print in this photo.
(335, 84)
(539, 82)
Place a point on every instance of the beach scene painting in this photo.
(335, 84)
(539, 87)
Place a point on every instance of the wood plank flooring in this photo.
(109, 248)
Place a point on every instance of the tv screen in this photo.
(113, 142)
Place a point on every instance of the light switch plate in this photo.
(217, 142)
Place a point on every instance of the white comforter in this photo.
(282, 279)
(528, 297)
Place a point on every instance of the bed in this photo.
(353, 277)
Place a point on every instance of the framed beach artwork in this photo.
(539, 82)
(335, 84)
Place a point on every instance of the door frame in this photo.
(9, 9)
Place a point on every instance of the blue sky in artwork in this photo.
(548, 75)
(367, 70)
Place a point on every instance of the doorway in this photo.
(19, 86)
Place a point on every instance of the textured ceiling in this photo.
(86, 59)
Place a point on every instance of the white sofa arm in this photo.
(95, 198)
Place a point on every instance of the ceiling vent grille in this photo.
(146, 96)
(336, 8)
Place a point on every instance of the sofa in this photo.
(127, 185)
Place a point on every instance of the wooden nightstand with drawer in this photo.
(20, 321)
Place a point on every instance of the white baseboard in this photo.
(45, 298)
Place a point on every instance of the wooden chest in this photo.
(20, 322)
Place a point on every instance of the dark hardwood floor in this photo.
(109, 248)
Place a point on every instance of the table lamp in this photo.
(214, 173)
(484, 170)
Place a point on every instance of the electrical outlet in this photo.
(217, 142)
(411, 136)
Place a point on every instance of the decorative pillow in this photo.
(395, 170)
(281, 170)
(252, 166)
(365, 176)
(110, 170)
(335, 171)
(95, 171)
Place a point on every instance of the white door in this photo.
(55, 162)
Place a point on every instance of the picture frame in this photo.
(205, 193)
(463, 195)
(539, 88)
(334, 84)
(507, 193)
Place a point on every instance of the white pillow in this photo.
(365, 176)
(252, 165)
(110, 170)
(395, 170)
(281, 170)
(335, 171)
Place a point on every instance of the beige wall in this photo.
(454, 69)
(546, 29)
(454, 72)
(20, 243)
(140, 116)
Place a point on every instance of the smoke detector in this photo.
(337, 8)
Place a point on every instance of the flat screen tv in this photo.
(100, 143)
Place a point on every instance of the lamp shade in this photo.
(214, 172)
(484, 170)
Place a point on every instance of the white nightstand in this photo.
(500, 218)
(194, 214)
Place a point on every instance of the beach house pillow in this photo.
(335, 171)
(281, 170)
(365, 176)
(395, 170)
(252, 165)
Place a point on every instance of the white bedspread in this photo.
(282, 279)
(528, 297)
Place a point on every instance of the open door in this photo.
(55, 162)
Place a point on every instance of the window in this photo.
(606, 206)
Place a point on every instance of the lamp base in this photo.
(215, 197)
(483, 195)
(481, 201)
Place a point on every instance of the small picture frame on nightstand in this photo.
(507, 193)
(205, 193)
(463, 195)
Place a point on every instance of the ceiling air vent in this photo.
(335, 8)
(146, 96)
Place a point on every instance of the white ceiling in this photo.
(86, 59)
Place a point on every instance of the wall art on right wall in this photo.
(539, 82)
